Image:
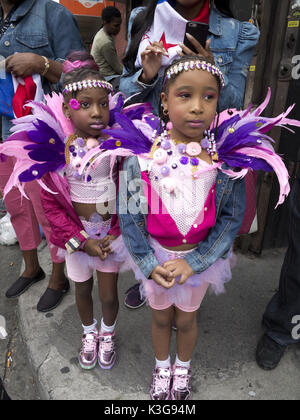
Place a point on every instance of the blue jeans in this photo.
(284, 307)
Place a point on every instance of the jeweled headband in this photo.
(192, 65)
(84, 84)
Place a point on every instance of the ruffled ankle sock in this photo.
(164, 364)
(107, 329)
(88, 329)
(179, 362)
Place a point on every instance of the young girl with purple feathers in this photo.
(58, 145)
(181, 203)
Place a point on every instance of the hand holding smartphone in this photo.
(199, 31)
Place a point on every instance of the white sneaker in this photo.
(7, 233)
(5, 219)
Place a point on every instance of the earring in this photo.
(165, 112)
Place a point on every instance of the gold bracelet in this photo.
(47, 66)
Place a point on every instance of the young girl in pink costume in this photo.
(181, 203)
(78, 198)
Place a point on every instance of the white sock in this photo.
(87, 329)
(178, 362)
(163, 363)
(108, 329)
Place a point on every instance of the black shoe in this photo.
(269, 353)
(52, 298)
(133, 297)
(23, 283)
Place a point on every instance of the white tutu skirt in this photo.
(188, 296)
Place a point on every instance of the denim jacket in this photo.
(42, 27)
(232, 43)
(132, 211)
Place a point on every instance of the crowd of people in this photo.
(138, 166)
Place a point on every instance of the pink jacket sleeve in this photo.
(63, 226)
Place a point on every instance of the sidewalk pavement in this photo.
(223, 366)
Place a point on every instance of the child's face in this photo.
(191, 102)
(93, 114)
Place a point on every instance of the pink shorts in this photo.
(80, 266)
(185, 297)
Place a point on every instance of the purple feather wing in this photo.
(130, 137)
(44, 133)
(38, 171)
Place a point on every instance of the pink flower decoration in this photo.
(160, 156)
(74, 104)
(193, 149)
(91, 143)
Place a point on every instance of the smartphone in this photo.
(199, 31)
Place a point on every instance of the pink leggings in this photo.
(26, 215)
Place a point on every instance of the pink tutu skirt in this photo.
(186, 297)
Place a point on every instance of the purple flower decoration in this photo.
(195, 161)
(184, 160)
(74, 104)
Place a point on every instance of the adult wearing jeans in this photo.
(232, 44)
(35, 38)
(282, 316)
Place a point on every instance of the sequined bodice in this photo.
(95, 184)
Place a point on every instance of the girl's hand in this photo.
(151, 61)
(162, 277)
(105, 243)
(205, 52)
(179, 268)
(93, 248)
(24, 64)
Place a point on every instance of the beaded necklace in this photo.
(189, 151)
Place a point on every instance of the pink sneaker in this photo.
(107, 350)
(181, 388)
(161, 381)
(88, 353)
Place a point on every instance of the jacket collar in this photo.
(215, 21)
(22, 10)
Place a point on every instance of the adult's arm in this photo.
(109, 53)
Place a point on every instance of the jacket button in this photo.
(7, 43)
(219, 181)
(195, 226)
(184, 241)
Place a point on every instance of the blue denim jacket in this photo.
(133, 207)
(232, 43)
(42, 27)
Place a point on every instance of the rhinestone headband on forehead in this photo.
(192, 65)
(84, 84)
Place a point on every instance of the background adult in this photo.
(35, 38)
(157, 33)
(281, 319)
(103, 48)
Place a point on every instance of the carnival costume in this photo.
(237, 144)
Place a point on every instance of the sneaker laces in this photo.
(89, 343)
(181, 378)
(107, 343)
(161, 380)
